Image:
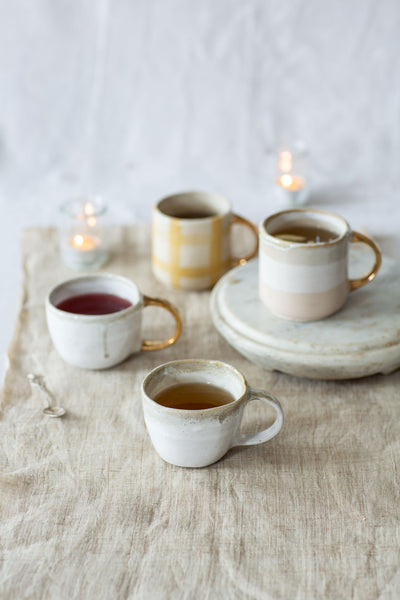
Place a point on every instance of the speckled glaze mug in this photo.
(103, 340)
(197, 438)
(306, 281)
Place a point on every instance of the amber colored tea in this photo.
(194, 396)
(194, 214)
(94, 304)
(305, 234)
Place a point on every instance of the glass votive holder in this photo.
(291, 186)
(81, 233)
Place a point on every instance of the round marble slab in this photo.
(363, 338)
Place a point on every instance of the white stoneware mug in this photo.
(197, 438)
(306, 281)
(191, 240)
(102, 340)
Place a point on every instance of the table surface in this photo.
(90, 510)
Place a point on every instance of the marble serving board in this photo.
(362, 339)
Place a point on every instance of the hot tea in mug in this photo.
(193, 396)
(193, 409)
(94, 304)
(191, 239)
(303, 263)
(95, 321)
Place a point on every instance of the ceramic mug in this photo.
(197, 438)
(304, 280)
(102, 340)
(191, 245)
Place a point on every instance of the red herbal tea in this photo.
(94, 304)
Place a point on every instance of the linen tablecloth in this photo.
(88, 510)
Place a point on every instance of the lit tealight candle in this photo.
(84, 243)
(81, 251)
(81, 242)
(290, 188)
(291, 182)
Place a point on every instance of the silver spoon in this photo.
(50, 411)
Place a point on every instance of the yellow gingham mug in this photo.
(191, 241)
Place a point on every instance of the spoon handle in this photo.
(42, 386)
(51, 409)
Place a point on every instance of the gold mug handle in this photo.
(236, 219)
(357, 283)
(160, 344)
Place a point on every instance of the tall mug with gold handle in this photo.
(191, 240)
(303, 266)
(86, 330)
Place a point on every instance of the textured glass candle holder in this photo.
(81, 233)
(291, 185)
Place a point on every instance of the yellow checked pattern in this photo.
(188, 254)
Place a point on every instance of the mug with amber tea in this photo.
(303, 263)
(95, 321)
(193, 409)
(191, 240)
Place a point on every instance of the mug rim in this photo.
(187, 411)
(323, 213)
(93, 318)
(210, 195)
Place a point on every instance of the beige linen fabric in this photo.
(88, 510)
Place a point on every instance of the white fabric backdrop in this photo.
(138, 99)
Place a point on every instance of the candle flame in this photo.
(78, 240)
(286, 180)
(83, 242)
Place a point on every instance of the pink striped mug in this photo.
(303, 263)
